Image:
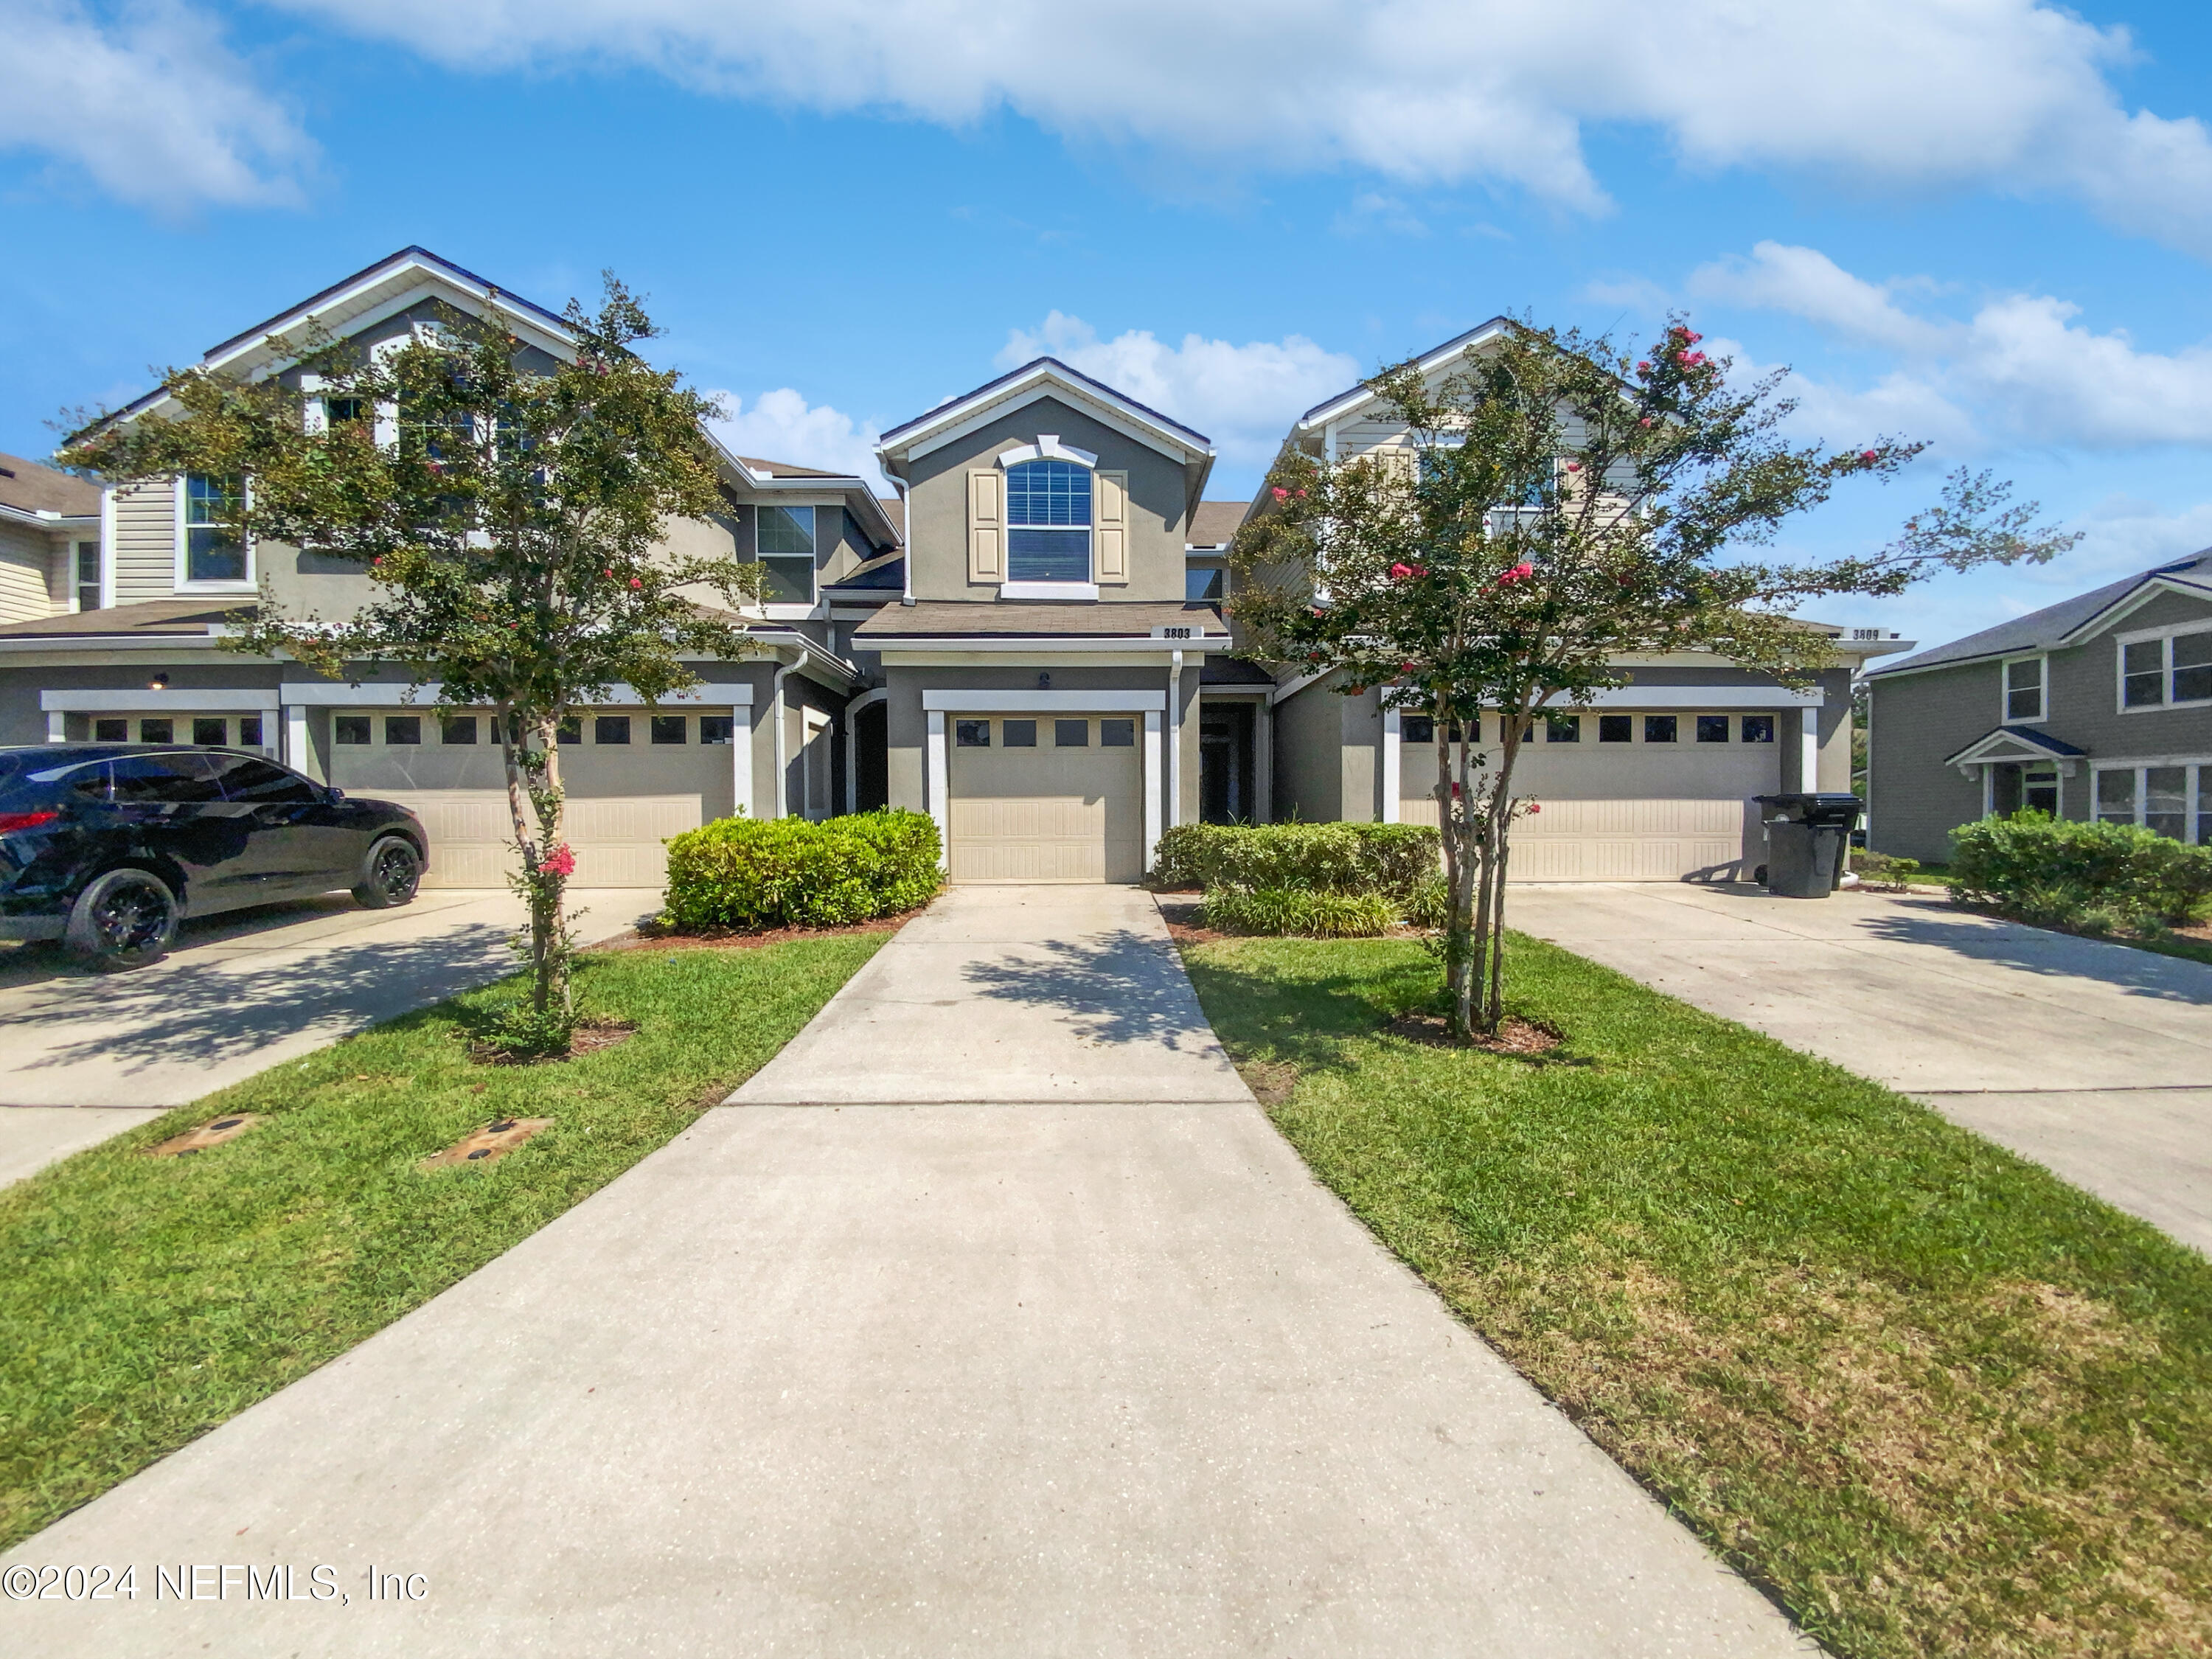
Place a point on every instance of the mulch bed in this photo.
(740, 938)
(588, 1038)
(1181, 916)
(1522, 1039)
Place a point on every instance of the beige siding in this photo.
(27, 559)
(146, 542)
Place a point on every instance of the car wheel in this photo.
(125, 919)
(390, 874)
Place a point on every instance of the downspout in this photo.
(906, 535)
(775, 713)
(1174, 813)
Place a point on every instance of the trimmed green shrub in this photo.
(746, 872)
(1393, 859)
(1299, 910)
(2096, 877)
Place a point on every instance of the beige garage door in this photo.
(633, 780)
(1626, 801)
(1046, 799)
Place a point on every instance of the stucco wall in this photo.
(939, 502)
(1309, 780)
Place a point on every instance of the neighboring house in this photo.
(2100, 707)
(49, 542)
(144, 662)
(1027, 643)
(1651, 782)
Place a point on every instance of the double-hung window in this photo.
(86, 571)
(2173, 668)
(2024, 679)
(787, 555)
(1049, 522)
(2174, 800)
(213, 549)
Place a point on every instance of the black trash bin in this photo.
(1809, 837)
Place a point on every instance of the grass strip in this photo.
(147, 1300)
(1937, 1401)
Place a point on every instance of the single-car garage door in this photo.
(1646, 795)
(632, 779)
(1046, 799)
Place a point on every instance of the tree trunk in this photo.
(533, 790)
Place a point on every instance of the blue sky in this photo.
(1985, 222)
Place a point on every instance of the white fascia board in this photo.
(1045, 702)
(2126, 605)
(383, 296)
(36, 518)
(1699, 696)
(1157, 659)
(73, 644)
(141, 699)
(1056, 645)
(1037, 385)
(1352, 400)
(319, 694)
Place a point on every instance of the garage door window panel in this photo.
(1659, 728)
(670, 728)
(111, 731)
(211, 733)
(610, 729)
(1712, 728)
(1018, 734)
(1117, 734)
(1615, 728)
(1071, 735)
(404, 730)
(1759, 728)
(971, 734)
(459, 729)
(1563, 729)
(158, 730)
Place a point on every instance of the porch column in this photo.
(1808, 750)
(1393, 728)
(1151, 786)
(937, 784)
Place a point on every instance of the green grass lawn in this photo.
(146, 1300)
(1938, 1401)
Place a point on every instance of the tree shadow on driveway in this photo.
(1121, 986)
(1934, 923)
(207, 1015)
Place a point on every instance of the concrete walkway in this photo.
(86, 1056)
(1096, 1369)
(2094, 1060)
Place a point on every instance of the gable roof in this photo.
(1212, 523)
(2065, 623)
(30, 487)
(2009, 742)
(1024, 385)
(369, 295)
(1344, 402)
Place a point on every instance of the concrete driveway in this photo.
(1095, 1368)
(2092, 1059)
(85, 1055)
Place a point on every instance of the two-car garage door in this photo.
(1039, 798)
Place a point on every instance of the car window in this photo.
(89, 782)
(164, 780)
(244, 778)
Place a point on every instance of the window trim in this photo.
(2196, 800)
(1046, 449)
(2165, 636)
(181, 573)
(2005, 716)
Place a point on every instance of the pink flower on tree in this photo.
(561, 861)
(1869, 456)
(1645, 421)
(1399, 572)
(1644, 367)
(1279, 493)
(1534, 808)
(1574, 466)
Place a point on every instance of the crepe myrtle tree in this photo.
(507, 508)
(1560, 504)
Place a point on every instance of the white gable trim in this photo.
(1049, 447)
(1360, 396)
(2128, 603)
(969, 414)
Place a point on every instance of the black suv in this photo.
(108, 847)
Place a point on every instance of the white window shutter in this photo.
(987, 527)
(1112, 531)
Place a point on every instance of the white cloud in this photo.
(2029, 372)
(1371, 211)
(151, 105)
(782, 426)
(2011, 95)
(1243, 396)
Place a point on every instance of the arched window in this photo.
(1049, 522)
